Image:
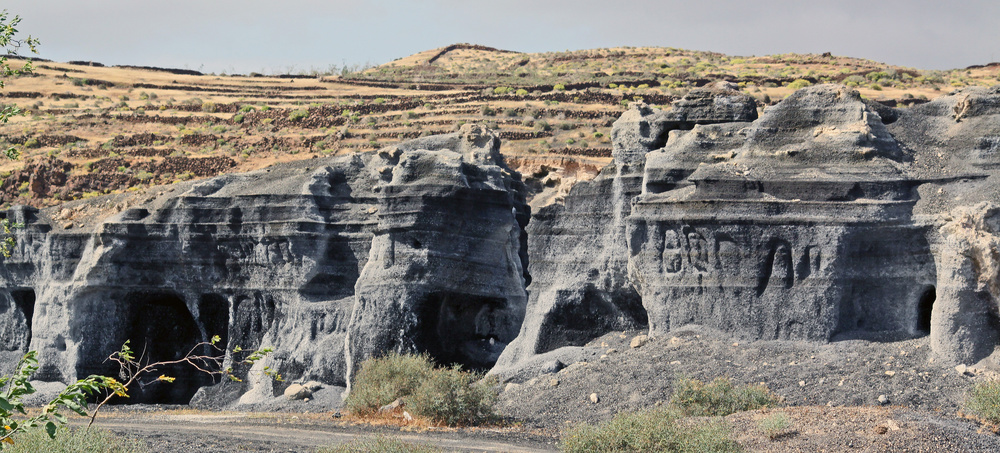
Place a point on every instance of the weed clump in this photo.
(984, 401)
(720, 397)
(651, 430)
(75, 440)
(774, 425)
(447, 396)
(379, 444)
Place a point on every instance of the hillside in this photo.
(92, 130)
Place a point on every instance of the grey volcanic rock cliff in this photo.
(828, 217)
(579, 253)
(415, 248)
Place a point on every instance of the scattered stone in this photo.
(391, 407)
(881, 429)
(890, 373)
(639, 341)
(883, 400)
(802, 383)
(552, 366)
(511, 386)
(961, 369)
(313, 385)
(67, 225)
(297, 392)
(594, 398)
(407, 416)
(554, 382)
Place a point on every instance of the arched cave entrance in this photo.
(579, 317)
(160, 328)
(925, 307)
(466, 329)
(15, 320)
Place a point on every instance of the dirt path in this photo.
(287, 433)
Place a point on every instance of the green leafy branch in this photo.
(11, 45)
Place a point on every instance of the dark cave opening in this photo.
(465, 329)
(581, 317)
(213, 316)
(924, 309)
(159, 328)
(24, 300)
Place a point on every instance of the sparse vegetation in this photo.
(984, 401)
(379, 443)
(446, 396)
(719, 397)
(651, 430)
(775, 424)
(76, 440)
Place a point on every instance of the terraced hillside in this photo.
(92, 129)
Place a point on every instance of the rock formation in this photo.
(828, 217)
(417, 248)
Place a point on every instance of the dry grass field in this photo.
(92, 130)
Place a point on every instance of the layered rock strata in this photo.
(416, 248)
(829, 217)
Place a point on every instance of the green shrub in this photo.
(32, 143)
(298, 115)
(559, 87)
(983, 400)
(379, 444)
(452, 397)
(382, 380)
(652, 430)
(799, 84)
(144, 176)
(521, 92)
(774, 425)
(209, 107)
(238, 118)
(441, 395)
(719, 397)
(75, 441)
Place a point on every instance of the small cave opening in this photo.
(925, 306)
(581, 317)
(470, 330)
(16, 312)
(24, 300)
(160, 327)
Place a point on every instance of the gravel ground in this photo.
(832, 389)
(831, 393)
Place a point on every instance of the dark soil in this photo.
(832, 389)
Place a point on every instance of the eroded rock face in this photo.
(829, 217)
(579, 252)
(416, 248)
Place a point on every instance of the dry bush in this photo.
(719, 397)
(653, 430)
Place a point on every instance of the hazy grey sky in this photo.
(282, 35)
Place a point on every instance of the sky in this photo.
(280, 36)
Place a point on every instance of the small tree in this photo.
(74, 396)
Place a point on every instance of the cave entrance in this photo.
(466, 329)
(15, 323)
(213, 316)
(925, 307)
(160, 328)
(581, 316)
